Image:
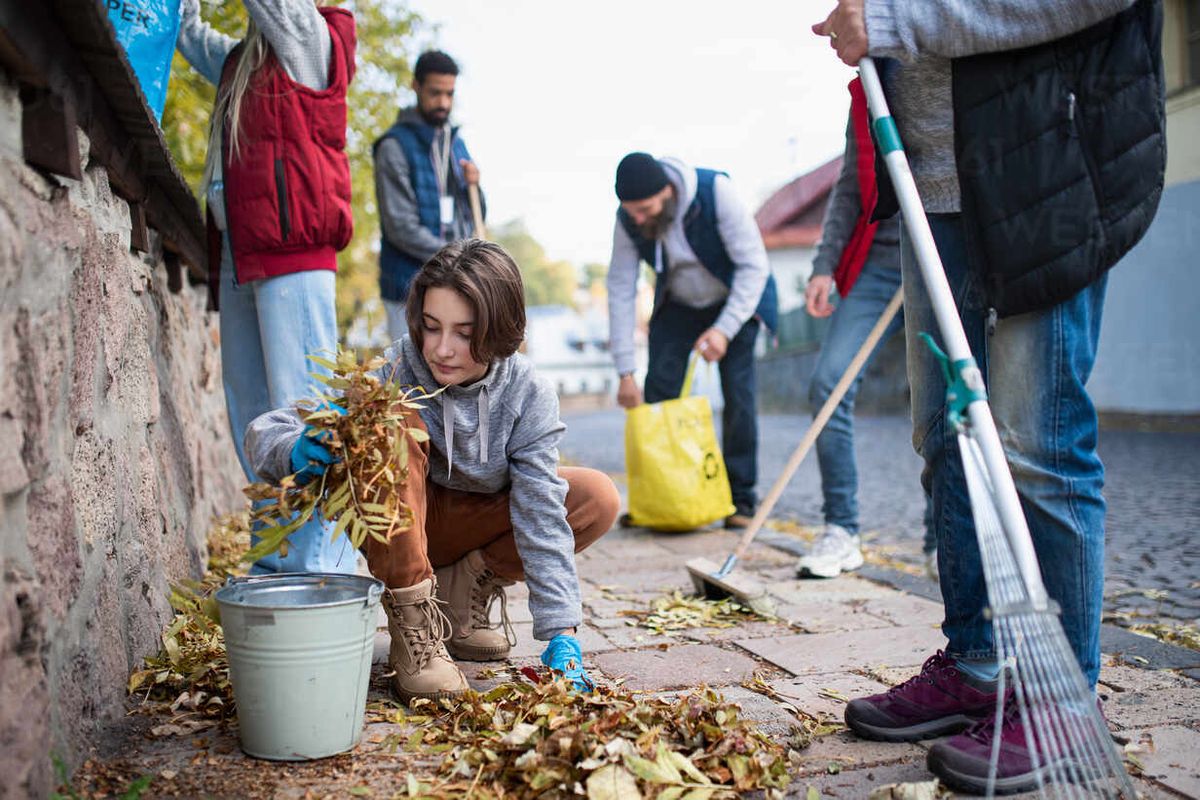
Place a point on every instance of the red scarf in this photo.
(855, 253)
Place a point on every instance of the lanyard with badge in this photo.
(441, 161)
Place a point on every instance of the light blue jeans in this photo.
(856, 314)
(1036, 366)
(268, 328)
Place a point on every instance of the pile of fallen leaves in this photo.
(1177, 633)
(676, 612)
(524, 739)
(364, 420)
(191, 672)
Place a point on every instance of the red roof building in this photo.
(790, 223)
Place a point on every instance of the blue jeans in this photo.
(674, 329)
(268, 328)
(856, 314)
(1035, 366)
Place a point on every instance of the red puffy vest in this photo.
(287, 194)
(854, 256)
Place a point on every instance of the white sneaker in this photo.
(931, 566)
(835, 552)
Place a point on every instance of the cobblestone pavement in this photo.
(844, 637)
(835, 639)
(1152, 487)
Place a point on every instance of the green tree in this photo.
(594, 273)
(385, 39)
(546, 282)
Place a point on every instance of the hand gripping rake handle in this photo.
(964, 379)
(476, 211)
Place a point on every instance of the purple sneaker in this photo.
(962, 761)
(938, 701)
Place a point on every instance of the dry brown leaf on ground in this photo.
(921, 790)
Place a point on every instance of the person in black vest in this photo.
(1035, 131)
(713, 290)
(422, 174)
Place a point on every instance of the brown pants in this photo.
(448, 524)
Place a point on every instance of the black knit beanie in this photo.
(639, 175)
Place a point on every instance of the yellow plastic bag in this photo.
(677, 478)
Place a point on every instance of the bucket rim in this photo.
(373, 588)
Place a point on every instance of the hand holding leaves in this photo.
(350, 461)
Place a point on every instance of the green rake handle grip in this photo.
(981, 426)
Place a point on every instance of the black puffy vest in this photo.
(1060, 151)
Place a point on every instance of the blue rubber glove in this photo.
(563, 654)
(310, 456)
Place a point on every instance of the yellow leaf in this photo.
(612, 782)
(686, 766)
(651, 771)
(323, 362)
(340, 528)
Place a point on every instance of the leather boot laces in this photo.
(484, 593)
(423, 640)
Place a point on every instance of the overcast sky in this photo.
(552, 94)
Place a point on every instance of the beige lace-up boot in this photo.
(469, 589)
(419, 629)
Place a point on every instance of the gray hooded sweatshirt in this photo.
(689, 282)
(501, 433)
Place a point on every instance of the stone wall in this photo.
(114, 456)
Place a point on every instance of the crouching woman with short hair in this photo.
(490, 503)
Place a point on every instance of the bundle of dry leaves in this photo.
(365, 421)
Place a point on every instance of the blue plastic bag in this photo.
(147, 29)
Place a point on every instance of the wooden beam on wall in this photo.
(49, 134)
(139, 234)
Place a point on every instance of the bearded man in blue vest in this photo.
(712, 293)
(422, 175)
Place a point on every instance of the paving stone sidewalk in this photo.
(1152, 485)
(848, 636)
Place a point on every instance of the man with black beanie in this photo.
(712, 292)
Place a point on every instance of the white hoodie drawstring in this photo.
(484, 415)
(448, 426)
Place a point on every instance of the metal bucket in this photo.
(299, 648)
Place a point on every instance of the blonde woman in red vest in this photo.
(277, 190)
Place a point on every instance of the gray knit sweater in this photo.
(501, 433)
(845, 205)
(925, 35)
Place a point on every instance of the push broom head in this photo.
(714, 582)
(1042, 686)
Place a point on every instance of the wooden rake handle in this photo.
(476, 211)
(818, 423)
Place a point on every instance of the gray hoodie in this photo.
(501, 433)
